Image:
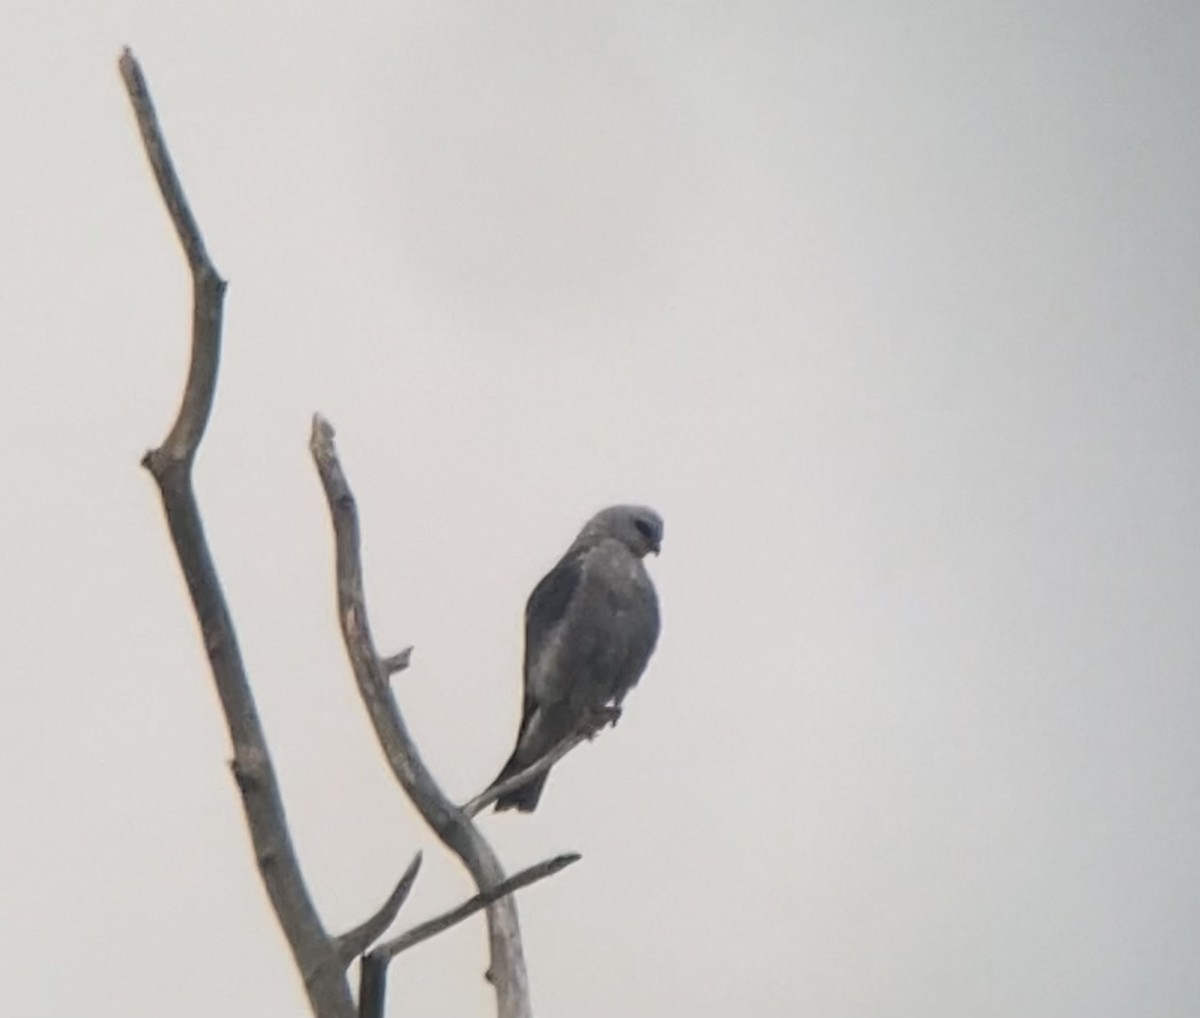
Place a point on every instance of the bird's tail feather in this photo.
(524, 798)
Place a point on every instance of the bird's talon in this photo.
(600, 718)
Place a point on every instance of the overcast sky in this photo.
(890, 310)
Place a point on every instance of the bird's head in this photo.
(637, 527)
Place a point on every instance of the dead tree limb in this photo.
(451, 824)
(354, 942)
(373, 973)
(322, 959)
(171, 466)
(434, 926)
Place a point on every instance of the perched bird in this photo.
(590, 626)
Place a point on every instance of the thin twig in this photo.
(397, 662)
(161, 163)
(170, 464)
(372, 985)
(354, 942)
(451, 824)
(208, 286)
(584, 733)
(434, 926)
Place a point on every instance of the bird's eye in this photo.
(645, 528)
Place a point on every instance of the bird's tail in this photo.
(524, 798)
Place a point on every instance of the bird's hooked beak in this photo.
(655, 546)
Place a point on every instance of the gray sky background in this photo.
(891, 310)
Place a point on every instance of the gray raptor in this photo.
(590, 627)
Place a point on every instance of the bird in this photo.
(591, 625)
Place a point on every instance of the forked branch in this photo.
(432, 927)
(450, 823)
(373, 973)
(171, 466)
(354, 942)
(321, 959)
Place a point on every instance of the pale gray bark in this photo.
(315, 952)
(450, 823)
(322, 959)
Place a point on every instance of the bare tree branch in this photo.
(434, 926)
(208, 287)
(450, 823)
(354, 942)
(321, 959)
(397, 662)
(372, 986)
(170, 464)
(373, 972)
(584, 733)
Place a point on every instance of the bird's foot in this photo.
(599, 718)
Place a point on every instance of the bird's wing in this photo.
(547, 605)
(544, 613)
